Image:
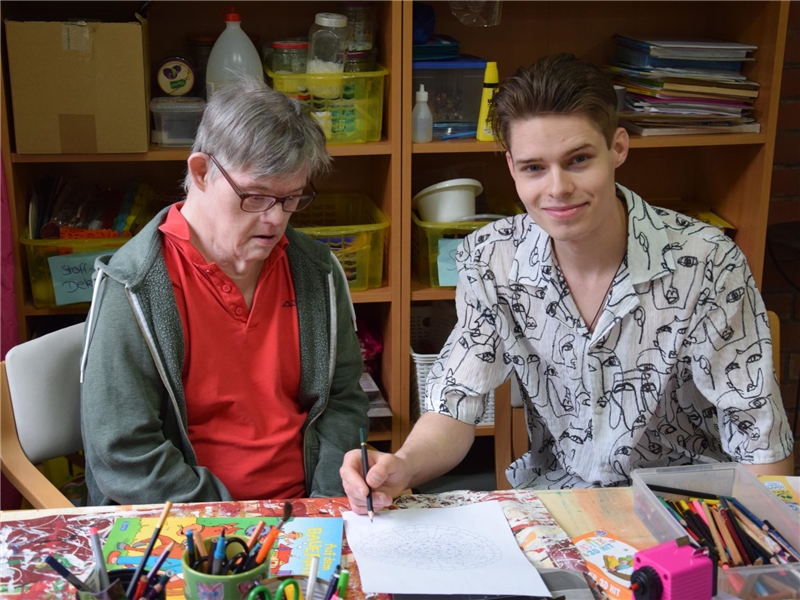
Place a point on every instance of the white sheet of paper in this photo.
(459, 550)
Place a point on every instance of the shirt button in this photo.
(607, 468)
(598, 410)
(238, 310)
(226, 288)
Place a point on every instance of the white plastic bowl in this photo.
(447, 201)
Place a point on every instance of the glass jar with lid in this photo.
(360, 25)
(327, 41)
(289, 56)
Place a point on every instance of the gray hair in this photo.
(248, 126)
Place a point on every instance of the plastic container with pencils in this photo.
(725, 480)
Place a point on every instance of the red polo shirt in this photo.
(241, 372)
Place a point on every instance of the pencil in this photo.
(154, 571)
(365, 466)
(726, 536)
(681, 492)
(735, 537)
(66, 574)
(723, 557)
(135, 579)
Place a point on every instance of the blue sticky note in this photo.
(446, 261)
(72, 276)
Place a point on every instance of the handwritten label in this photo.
(72, 276)
(446, 261)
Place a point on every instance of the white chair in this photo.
(40, 418)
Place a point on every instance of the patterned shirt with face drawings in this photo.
(677, 371)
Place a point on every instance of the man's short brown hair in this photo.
(558, 84)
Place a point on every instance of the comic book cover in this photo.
(300, 540)
(781, 486)
(610, 561)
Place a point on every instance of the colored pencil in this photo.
(149, 549)
(682, 492)
(256, 534)
(66, 574)
(154, 571)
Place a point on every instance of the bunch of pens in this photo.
(725, 526)
(251, 554)
(337, 587)
(141, 585)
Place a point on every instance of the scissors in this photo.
(228, 565)
(261, 592)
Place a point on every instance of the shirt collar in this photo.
(649, 251)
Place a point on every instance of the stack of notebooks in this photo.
(378, 406)
(680, 87)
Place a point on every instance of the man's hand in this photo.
(388, 476)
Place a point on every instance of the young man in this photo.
(637, 335)
(221, 360)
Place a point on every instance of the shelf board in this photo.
(383, 294)
(667, 141)
(158, 154)
(29, 310)
(380, 432)
(420, 291)
(484, 430)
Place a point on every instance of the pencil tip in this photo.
(371, 515)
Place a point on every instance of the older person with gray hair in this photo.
(221, 360)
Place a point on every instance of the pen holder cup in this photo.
(274, 583)
(115, 590)
(199, 585)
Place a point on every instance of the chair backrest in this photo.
(45, 393)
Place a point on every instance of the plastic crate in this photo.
(38, 251)
(355, 231)
(425, 238)
(723, 479)
(348, 106)
(430, 328)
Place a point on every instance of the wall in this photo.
(779, 294)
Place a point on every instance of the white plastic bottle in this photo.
(421, 119)
(233, 54)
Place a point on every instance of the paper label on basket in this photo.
(446, 261)
(72, 276)
(610, 561)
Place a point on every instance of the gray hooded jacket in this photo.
(133, 409)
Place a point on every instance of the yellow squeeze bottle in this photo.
(490, 82)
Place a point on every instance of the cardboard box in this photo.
(79, 87)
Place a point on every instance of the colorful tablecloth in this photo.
(25, 542)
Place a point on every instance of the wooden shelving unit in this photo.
(371, 168)
(730, 173)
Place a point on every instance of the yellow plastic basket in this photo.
(348, 106)
(355, 231)
(425, 237)
(38, 251)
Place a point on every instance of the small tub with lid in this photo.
(176, 119)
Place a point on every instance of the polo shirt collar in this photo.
(649, 252)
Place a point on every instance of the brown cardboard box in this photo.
(79, 87)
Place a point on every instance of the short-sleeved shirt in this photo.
(677, 371)
(241, 372)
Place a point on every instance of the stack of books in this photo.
(680, 87)
(378, 406)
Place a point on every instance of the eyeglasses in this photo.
(256, 203)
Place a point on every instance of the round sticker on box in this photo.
(175, 76)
